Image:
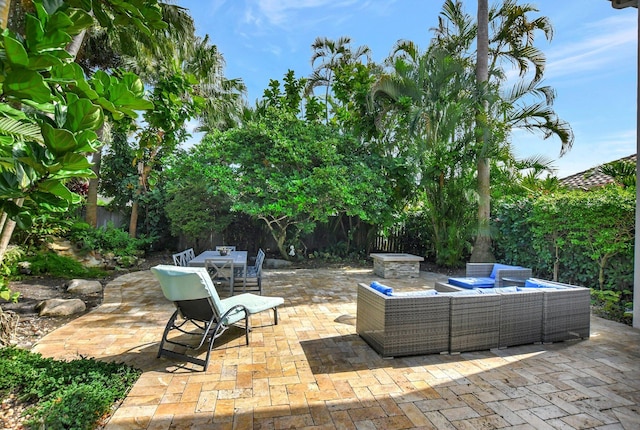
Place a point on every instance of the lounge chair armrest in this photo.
(234, 310)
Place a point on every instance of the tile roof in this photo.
(592, 177)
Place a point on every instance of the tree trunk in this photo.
(5, 6)
(91, 216)
(76, 43)
(3, 220)
(133, 221)
(7, 232)
(482, 247)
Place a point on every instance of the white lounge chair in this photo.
(201, 312)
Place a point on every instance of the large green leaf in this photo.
(56, 188)
(50, 201)
(43, 107)
(34, 30)
(122, 97)
(25, 84)
(128, 105)
(9, 186)
(43, 61)
(73, 71)
(101, 82)
(87, 141)
(106, 104)
(16, 54)
(59, 21)
(51, 6)
(59, 195)
(24, 177)
(133, 83)
(82, 115)
(58, 140)
(80, 19)
(77, 162)
(55, 39)
(11, 111)
(82, 4)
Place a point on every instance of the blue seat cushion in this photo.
(540, 283)
(498, 266)
(472, 282)
(381, 288)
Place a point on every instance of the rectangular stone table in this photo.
(392, 265)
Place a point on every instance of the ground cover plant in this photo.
(63, 395)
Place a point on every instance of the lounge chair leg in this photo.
(247, 326)
(167, 328)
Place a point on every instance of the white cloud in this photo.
(280, 12)
(606, 41)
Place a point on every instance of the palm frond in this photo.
(20, 131)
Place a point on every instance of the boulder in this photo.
(60, 307)
(83, 286)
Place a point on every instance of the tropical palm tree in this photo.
(224, 98)
(429, 94)
(135, 46)
(331, 53)
(482, 248)
(510, 35)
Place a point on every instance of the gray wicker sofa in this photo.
(457, 322)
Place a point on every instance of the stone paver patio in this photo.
(312, 371)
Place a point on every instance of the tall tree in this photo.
(136, 44)
(428, 94)
(511, 37)
(331, 54)
(165, 128)
(223, 97)
(482, 248)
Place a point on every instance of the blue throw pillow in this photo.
(472, 282)
(381, 288)
(497, 267)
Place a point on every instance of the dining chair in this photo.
(227, 247)
(182, 258)
(253, 277)
(221, 270)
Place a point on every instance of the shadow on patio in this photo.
(313, 371)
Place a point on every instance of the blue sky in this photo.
(591, 61)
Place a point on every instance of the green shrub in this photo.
(65, 395)
(613, 305)
(108, 239)
(50, 263)
(586, 237)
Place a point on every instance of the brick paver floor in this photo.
(312, 371)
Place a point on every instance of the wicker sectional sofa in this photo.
(450, 322)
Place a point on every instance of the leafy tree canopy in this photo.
(290, 174)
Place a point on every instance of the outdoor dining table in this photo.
(239, 260)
